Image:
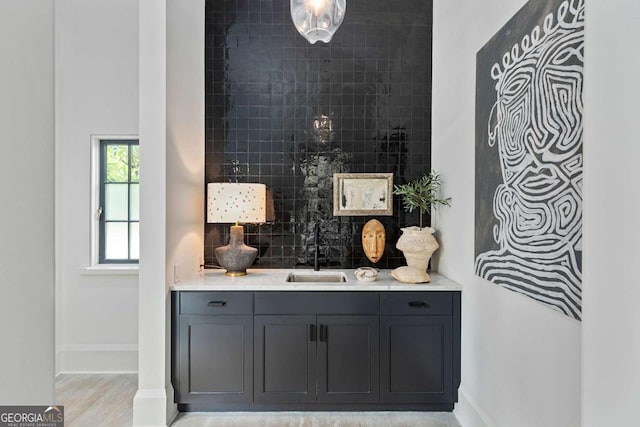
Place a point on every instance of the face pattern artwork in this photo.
(373, 240)
(536, 125)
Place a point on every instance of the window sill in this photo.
(110, 270)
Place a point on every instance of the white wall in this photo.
(185, 136)
(26, 212)
(96, 44)
(185, 144)
(611, 327)
(172, 137)
(153, 402)
(521, 361)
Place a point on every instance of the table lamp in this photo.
(236, 203)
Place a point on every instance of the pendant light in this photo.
(318, 19)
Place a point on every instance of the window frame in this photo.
(97, 199)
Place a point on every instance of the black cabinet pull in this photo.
(323, 333)
(217, 303)
(312, 332)
(419, 304)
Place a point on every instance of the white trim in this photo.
(151, 407)
(98, 347)
(97, 359)
(95, 190)
(110, 270)
(172, 407)
(468, 412)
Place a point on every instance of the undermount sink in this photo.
(316, 278)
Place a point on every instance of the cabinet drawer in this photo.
(416, 303)
(216, 302)
(317, 303)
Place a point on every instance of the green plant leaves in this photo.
(422, 194)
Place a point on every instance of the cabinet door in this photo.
(215, 359)
(416, 358)
(348, 363)
(285, 359)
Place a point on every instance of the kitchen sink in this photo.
(316, 277)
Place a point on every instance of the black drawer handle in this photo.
(217, 303)
(323, 333)
(312, 332)
(419, 304)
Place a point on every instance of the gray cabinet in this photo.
(420, 347)
(305, 354)
(348, 359)
(285, 359)
(416, 354)
(315, 350)
(213, 347)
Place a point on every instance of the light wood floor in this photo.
(317, 419)
(97, 400)
(106, 401)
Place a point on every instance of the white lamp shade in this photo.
(318, 20)
(234, 202)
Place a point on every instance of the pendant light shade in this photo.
(318, 19)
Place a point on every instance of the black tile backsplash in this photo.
(289, 114)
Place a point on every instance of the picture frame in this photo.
(362, 194)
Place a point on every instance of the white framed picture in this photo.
(362, 194)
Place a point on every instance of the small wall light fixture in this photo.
(236, 203)
(318, 19)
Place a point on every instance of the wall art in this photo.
(529, 131)
(360, 194)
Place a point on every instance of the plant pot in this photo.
(417, 244)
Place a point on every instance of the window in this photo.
(118, 201)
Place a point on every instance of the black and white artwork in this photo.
(529, 130)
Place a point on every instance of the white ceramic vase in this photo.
(417, 244)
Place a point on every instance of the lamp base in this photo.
(236, 257)
(235, 273)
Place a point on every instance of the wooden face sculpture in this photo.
(373, 240)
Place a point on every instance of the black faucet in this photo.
(316, 238)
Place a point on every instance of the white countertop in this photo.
(275, 280)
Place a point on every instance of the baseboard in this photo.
(151, 408)
(172, 408)
(468, 412)
(97, 359)
(58, 362)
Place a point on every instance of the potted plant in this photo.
(418, 243)
(422, 194)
